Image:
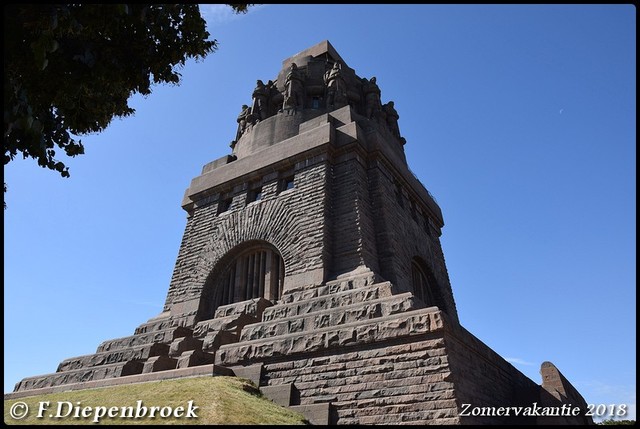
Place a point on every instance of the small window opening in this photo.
(254, 195)
(399, 198)
(287, 183)
(224, 205)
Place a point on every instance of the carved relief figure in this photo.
(336, 87)
(294, 89)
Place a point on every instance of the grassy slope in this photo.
(221, 400)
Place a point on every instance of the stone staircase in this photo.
(250, 339)
(305, 325)
(336, 314)
(155, 346)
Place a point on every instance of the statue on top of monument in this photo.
(371, 91)
(259, 107)
(293, 89)
(336, 87)
(244, 118)
(392, 117)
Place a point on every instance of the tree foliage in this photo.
(71, 68)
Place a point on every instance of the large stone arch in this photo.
(253, 269)
(272, 222)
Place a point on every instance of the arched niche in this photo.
(253, 269)
(425, 286)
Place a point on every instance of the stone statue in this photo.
(373, 106)
(243, 120)
(260, 105)
(336, 87)
(392, 118)
(294, 89)
(273, 92)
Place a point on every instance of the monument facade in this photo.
(311, 263)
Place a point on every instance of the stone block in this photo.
(159, 363)
(250, 372)
(281, 394)
(253, 307)
(164, 336)
(316, 414)
(180, 345)
(196, 357)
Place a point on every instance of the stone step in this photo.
(331, 287)
(181, 345)
(231, 317)
(252, 307)
(161, 322)
(311, 304)
(159, 363)
(138, 353)
(232, 324)
(415, 322)
(224, 330)
(334, 316)
(195, 357)
(206, 370)
(165, 336)
(119, 369)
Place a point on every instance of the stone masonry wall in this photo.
(484, 379)
(402, 235)
(384, 383)
(424, 378)
(353, 227)
(293, 221)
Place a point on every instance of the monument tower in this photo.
(311, 263)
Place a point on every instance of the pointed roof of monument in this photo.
(315, 51)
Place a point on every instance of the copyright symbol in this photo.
(19, 410)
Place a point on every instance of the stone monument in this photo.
(311, 263)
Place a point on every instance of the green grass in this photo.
(220, 400)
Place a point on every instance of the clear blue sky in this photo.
(519, 119)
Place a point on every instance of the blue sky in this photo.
(519, 119)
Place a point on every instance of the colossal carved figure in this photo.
(294, 89)
(372, 98)
(244, 118)
(392, 118)
(260, 106)
(336, 87)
